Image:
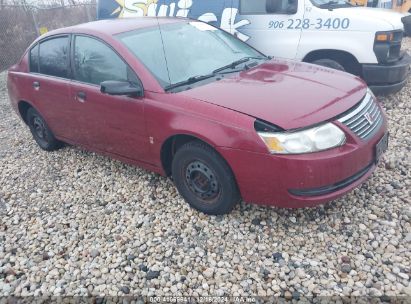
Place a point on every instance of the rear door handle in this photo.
(81, 96)
(36, 85)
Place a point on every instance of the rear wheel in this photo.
(41, 132)
(204, 179)
(329, 63)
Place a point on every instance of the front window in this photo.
(263, 7)
(95, 62)
(181, 51)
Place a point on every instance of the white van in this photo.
(333, 33)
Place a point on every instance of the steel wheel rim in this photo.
(202, 181)
(39, 128)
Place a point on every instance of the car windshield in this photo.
(191, 51)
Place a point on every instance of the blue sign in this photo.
(220, 13)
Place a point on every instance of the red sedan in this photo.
(185, 99)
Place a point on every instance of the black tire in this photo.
(41, 132)
(329, 63)
(407, 25)
(204, 179)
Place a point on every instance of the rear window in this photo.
(53, 59)
(34, 59)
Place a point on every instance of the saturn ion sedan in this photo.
(187, 100)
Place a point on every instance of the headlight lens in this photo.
(316, 139)
(384, 36)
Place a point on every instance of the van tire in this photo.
(407, 25)
(204, 179)
(329, 63)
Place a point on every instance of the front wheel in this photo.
(204, 179)
(329, 63)
(407, 25)
(41, 132)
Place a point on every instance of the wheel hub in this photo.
(201, 180)
(39, 128)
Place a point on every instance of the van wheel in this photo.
(329, 63)
(204, 179)
(41, 132)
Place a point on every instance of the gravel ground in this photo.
(76, 223)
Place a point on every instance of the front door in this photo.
(275, 25)
(113, 124)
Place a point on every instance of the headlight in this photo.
(316, 139)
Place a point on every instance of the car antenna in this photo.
(164, 50)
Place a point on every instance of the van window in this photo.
(54, 57)
(259, 7)
(95, 62)
(34, 59)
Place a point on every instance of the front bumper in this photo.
(334, 187)
(387, 79)
(273, 179)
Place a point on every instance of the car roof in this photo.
(112, 27)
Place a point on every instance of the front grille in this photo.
(365, 119)
(332, 188)
(398, 35)
(394, 52)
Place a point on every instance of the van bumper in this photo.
(387, 79)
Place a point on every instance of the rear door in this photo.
(275, 25)
(113, 124)
(49, 84)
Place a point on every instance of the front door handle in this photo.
(36, 85)
(81, 96)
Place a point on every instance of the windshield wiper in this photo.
(198, 78)
(236, 63)
(190, 80)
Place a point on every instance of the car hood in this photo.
(288, 94)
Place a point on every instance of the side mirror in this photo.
(125, 88)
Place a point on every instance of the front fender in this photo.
(168, 115)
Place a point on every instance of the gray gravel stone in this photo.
(94, 253)
(346, 268)
(152, 274)
(125, 290)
